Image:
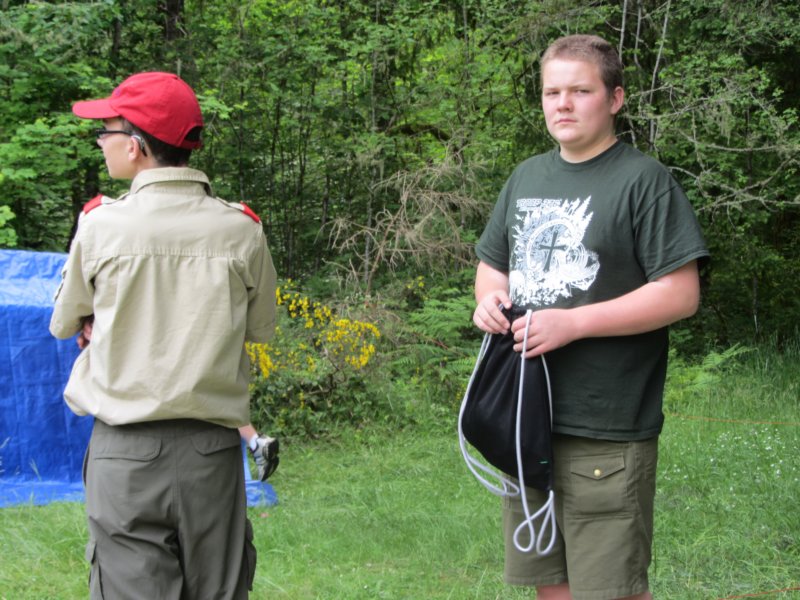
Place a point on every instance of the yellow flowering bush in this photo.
(314, 363)
(340, 341)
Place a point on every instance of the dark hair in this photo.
(165, 154)
(593, 49)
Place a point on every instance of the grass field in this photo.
(395, 514)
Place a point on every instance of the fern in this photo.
(687, 381)
(440, 343)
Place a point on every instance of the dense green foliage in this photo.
(372, 137)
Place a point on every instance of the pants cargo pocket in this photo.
(95, 580)
(249, 554)
(600, 487)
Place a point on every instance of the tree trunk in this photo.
(173, 13)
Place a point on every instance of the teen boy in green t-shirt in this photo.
(601, 242)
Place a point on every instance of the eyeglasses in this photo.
(102, 133)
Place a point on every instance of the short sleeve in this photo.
(668, 234)
(74, 297)
(261, 297)
(492, 247)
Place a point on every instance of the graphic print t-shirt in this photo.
(573, 234)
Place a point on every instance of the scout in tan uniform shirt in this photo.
(175, 281)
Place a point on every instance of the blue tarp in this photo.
(42, 442)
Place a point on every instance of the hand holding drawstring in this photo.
(488, 315)
(547, 330)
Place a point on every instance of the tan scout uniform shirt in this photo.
(177, 280)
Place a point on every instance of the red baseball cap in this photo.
(161, 104)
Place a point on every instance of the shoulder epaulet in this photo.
(95, 202)
(246, 210)
(92, 204)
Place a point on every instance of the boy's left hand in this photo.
(549, 329)
(85, 334)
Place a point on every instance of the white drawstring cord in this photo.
(548, 508)
(509, 488)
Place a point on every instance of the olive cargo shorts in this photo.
(166, 510)
(604, 494)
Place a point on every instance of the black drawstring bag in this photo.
(506, 415)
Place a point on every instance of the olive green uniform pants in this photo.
(166, 509)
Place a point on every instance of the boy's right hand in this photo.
(488, 315)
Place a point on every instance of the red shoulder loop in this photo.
(92, 204)
(249, 212)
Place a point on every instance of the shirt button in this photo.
(597, 472)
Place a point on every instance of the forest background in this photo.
(372, 138)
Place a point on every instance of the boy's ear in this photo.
(617, 100)
(134, 148)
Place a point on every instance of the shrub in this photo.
(431, 348)
(310, 376)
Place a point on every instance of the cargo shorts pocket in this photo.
(95, 579)
(599, 486)
(250, 554)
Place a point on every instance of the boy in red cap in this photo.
(173, 281)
